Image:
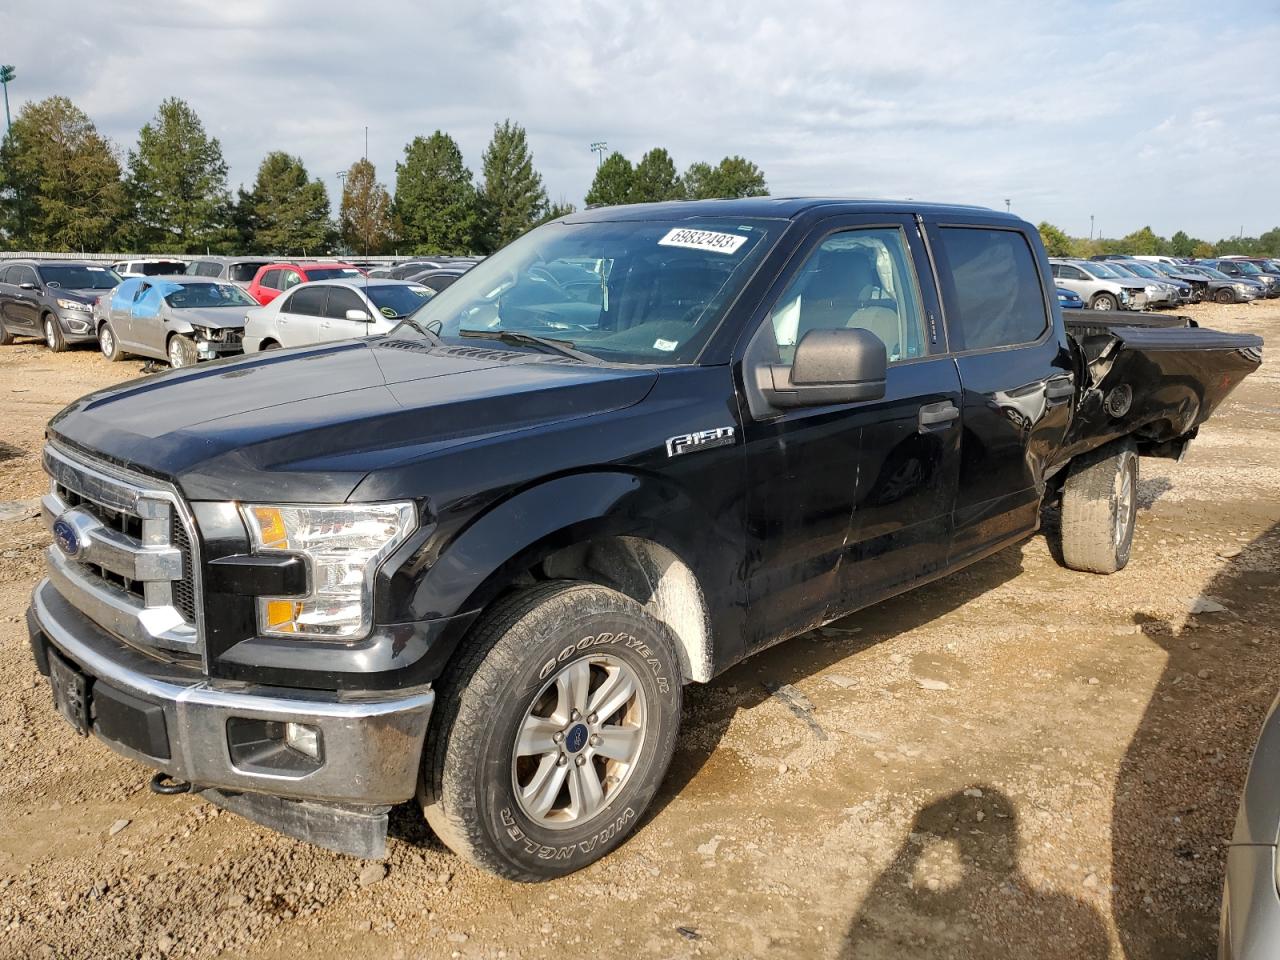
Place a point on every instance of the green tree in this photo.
(1269, 242)
(554, 211)
(364, 220)
(1144, 241)
(1182, 245)
(287, 212)
(512, 198)
(656, 178)
(177, 184)
(60, 186)
(1203, 249)
(614, 182)
(1056, 242)
(732, 177)
(436, 204)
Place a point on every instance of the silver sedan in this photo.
(178, 319)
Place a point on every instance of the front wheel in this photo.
(1100, 509)
(182, 352)
(53, 338)
(108, 343)
(552, 732)
(1104, 301)
(1225, 295)
(6, 338)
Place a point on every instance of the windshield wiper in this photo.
(562, 347)
(426, 330)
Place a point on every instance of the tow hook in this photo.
(165, 785)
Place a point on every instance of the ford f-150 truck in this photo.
(473, 561)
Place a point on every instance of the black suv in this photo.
(51, 299)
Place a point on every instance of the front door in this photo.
(148, 330)
(1016, 372)
(335, 325)
(809, 553)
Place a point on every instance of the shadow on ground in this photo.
(1179, 783)
(955, 875)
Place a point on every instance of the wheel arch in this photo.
(588, 526)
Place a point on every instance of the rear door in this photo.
(301, 314)
(1016, 375)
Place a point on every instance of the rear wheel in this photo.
(53, 338)
(269, 345)
(1225, 295)
(552, 732)
(1104, 301)
(108, 343)
(1100, 509)
(182, 352)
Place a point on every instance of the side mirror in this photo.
(27, 286)
(357, 316)
(844, 365)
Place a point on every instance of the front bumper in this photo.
(77, 326)
(220, 735)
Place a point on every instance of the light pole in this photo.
(598, 148)
(6, 74)
(1091, 226)
(342, 195)
(1008, 204)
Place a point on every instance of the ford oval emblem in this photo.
(66, 537)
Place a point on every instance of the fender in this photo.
(514, 535)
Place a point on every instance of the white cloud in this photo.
(1119, 110)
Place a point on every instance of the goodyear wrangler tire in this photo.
(552, 732)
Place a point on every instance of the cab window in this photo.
(995, 297)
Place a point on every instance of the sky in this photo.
(1137, 112)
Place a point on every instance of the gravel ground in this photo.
(1016, 761)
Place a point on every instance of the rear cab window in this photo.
(993, 291)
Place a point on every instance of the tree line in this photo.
(1058, 243)
(64, 187)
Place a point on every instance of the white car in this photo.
(325, 310)
(150, 267)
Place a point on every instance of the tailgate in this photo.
(1154, 377)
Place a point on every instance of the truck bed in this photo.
(1153, 377)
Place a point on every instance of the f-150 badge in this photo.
(702, 440)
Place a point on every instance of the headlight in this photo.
(74, 305)
(343, 546)
(1242, 287)
(1151, 288)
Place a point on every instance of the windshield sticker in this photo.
(666, 346)
(726, 243)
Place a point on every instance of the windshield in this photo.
(645, 291)
(208, 295)
(398, 300)
(1212, 272)
(331, 273)
(1247, 267)
(77, 277)
(1121, 270)
(1142, 270)
(1096, 269)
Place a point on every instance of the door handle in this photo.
(938, 415)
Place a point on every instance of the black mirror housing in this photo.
(844, 365)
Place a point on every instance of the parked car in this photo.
(237, 270)
(150, 267)
(273, 279)
(1180, 291)
(1098, 286)
(476, 562)
(1181, 273)
(1069, 299)
(325, 310)
(1250, 918)
(51, 299)
(1225, 289)
(438, 279)
(1246, 270)
(403, 271)
(179, 319)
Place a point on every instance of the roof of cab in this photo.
(780, 208)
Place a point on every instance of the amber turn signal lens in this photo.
(271, 524)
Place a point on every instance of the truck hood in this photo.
(218, 318)
(308, 424)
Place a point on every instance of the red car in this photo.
(273, 279)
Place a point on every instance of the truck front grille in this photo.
(124, 552)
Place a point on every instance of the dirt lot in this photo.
(1018, 761)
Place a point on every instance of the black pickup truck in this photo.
(475, 560)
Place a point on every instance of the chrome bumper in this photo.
(371, 748)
